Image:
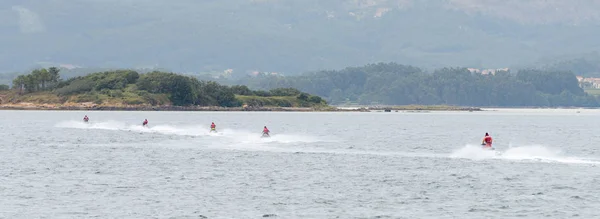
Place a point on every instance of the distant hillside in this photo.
(587, 65)
(292, 36)
(394, 84)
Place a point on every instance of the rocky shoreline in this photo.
(148, 108)
(96, 107)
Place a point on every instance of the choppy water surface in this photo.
(315, 165)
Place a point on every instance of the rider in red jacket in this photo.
(487, 140)
(213, 127)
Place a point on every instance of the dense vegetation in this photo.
(155, 88)
(38, 80)
(396, 84)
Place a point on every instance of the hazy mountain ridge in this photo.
(292, 36)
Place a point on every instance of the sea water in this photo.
(315, 165)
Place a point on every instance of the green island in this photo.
(43, 89)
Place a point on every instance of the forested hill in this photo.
(395, 84)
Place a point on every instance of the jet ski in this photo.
(486, 148)
(213, 130)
